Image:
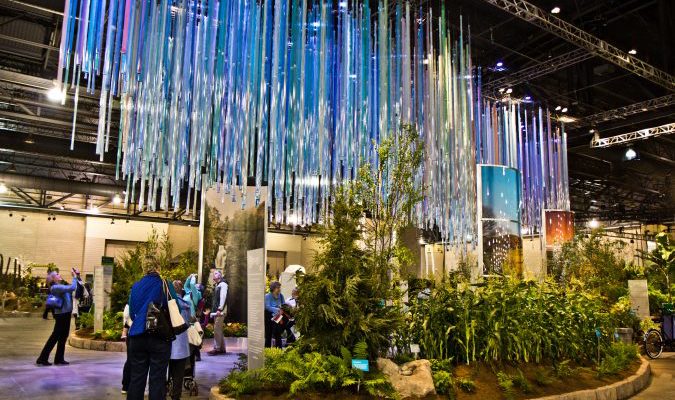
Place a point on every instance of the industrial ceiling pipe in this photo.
(60, 185)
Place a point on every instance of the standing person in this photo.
(273, 302)
(292, 304)
(219, 307)
(126, 370)
(180, 348)
(201, 314)
(193, 296)
(81, 295)
(147, 353)
(57, 287)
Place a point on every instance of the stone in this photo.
(412, 379)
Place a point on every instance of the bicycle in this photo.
(656, 339)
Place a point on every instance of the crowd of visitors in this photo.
(159, 348)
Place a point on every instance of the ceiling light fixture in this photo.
(117, 199)
(500, 64)
(3, 188)
(632, 52)
(564, 109)
(558, 108)
(94, 210)
(591, 131)
(528, 98)
(630, 154)
(555, 10)
(593, 224)
(509, 91)
(56, 95)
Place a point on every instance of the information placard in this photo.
(256, 307)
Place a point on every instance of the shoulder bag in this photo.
(177, 321)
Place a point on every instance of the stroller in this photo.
(189, 382)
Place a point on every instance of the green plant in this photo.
(506, 384)
(622, 315)
(521, 382)
(542, 377)
(466, 385)
(443, 382)
(348, 296)
(661, 261)
(510, 320)
(563, 369)
(617, 358)
(87, 320)
(298, 373)
(647, 323)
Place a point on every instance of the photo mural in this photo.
(229, 232)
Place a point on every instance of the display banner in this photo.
(500, 244)
(230, 230)
(558, 228)
(255, 274)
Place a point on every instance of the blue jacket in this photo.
(65, 292)
(147, 289)
(273, 305)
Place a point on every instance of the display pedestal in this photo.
(256, 307)
(102, 287)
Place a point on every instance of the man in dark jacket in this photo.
(145, 352)
(219, 312)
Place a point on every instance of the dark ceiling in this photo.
(602, 184)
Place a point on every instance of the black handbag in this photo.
(158, 322)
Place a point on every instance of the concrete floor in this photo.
(662, 385)
(91, 374)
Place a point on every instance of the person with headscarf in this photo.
(219, 311)
(57, 287)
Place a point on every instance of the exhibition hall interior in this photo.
(327, 199)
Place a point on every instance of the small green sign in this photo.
(360, 364)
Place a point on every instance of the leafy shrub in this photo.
(87, 320)
(542, 377)
(466, 385)
(521, 382)
(622, 315)
(618, 357)
(563, 369)
(443, 382)
(506, 384)
(304, 373)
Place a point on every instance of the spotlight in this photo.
(500, 64)
(56, 95)
(501, 90)
(49, 218)
(10, 214)
(558, 108)
(555, 10)
(630, 154)
(112, 221)
(528, 98)
(23, 218)
(94, 210)
(564, 109)
(591, 131)
(632, 52)
(3, 188)
(117, 199)
(127, 220)
(509, 90)
(593, 224)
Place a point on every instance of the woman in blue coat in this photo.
(57, 287)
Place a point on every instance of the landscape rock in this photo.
(412, 379)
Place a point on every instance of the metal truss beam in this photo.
(536, 16)
(626, 111)
(541, 69)
(598, 142)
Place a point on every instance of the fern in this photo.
(360, 350)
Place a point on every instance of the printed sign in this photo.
(360, 364)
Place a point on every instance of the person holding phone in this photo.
(59, 288)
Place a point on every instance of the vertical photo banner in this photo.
(230, 231)
(558, 228)
(500, 242)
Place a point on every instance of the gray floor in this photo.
(91, 374)
(662, 385)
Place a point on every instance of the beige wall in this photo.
(79, 240)
(533, 259)
(291, 244)
(40, 241)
